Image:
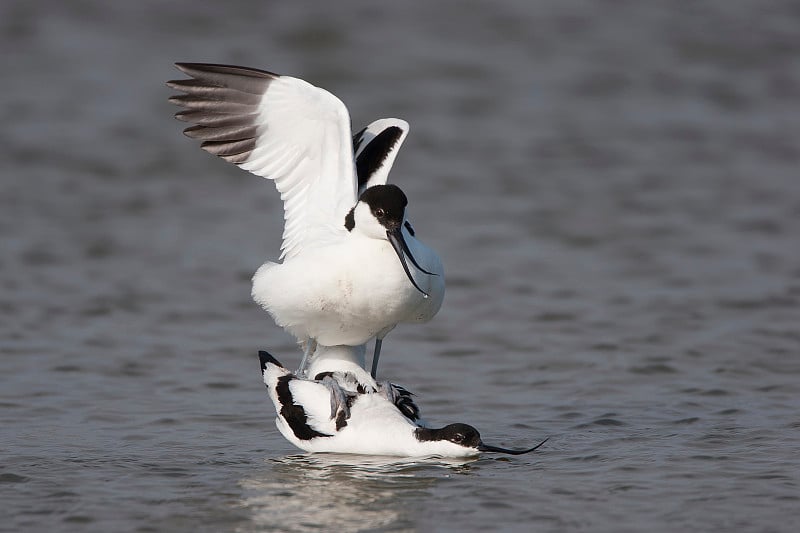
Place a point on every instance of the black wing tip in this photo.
(190, 69)
(177, 99)
(266, 358)
(193, 131)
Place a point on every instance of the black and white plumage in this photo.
(339, 413)
(340, 280)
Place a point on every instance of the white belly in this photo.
(345, 294)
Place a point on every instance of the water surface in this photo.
(613, 189)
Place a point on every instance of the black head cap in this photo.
(387, 203)
(461, 434)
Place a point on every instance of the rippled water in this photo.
(613, 188)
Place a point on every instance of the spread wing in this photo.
(280, 128)
(376, 148)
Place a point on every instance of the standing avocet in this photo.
(340, 281)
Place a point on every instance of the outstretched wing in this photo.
(376, 147)
(281, 128)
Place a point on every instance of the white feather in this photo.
(304, 145)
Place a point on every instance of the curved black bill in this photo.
(486, 448)
(401, 249)
(411, 256)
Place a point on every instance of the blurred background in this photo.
(613, 189)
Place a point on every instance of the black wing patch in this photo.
(405, 403)
(375, 152)
(294, 415)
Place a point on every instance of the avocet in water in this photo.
(343, 412)
(344, 276)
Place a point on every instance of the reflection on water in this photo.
(342, 492)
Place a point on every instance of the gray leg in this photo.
(375, 356)
(311, 346)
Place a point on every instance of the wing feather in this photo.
(206, 118)
(280, 128)
(376, 148)
(315, 399)
(221, 133)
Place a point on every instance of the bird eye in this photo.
(380, 212)
(458, 437)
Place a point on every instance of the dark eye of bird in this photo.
(380, 212)
(458, 437)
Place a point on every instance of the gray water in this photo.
(613, 189)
